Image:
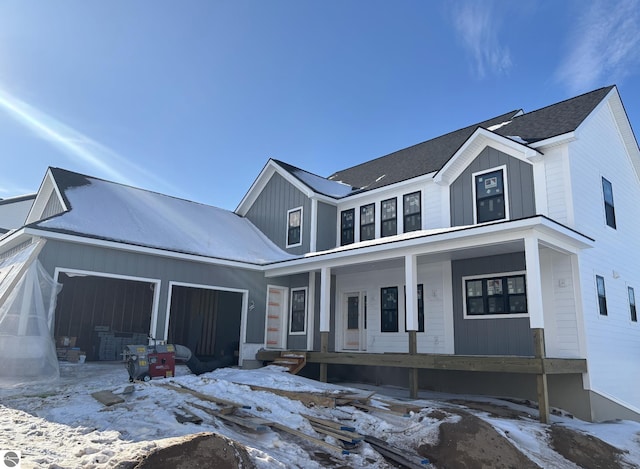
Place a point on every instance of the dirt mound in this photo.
(201, 451)
(471, 443)
(585, 450)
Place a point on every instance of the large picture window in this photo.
(367, 222)
(501, 294)
(294, 227)
(389, 309)
(298, 318)
(490, 196)
(347, 224)
(388, 217)
(412, 213)
(609, 210)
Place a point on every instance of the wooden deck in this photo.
(486, 363)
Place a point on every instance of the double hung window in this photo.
(490, 196)
(412, 214)
(609, 210)
(298, 319)
(367, 222)
(389, 309)
(602, 295)
(294, 227)
(388, 217)
(347, 224)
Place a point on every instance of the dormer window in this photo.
(347, 224)
(490, 196)
(294, 227)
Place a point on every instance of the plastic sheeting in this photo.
(27, 306)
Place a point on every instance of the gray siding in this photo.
(327, 229)
(519, 186)
(269, 212)
(76, 256)
(504, 336)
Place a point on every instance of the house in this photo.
(500, 258)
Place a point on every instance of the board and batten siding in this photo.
(327, 219)
(502, 336)
(613, 341)
(520, 187)
(66, 255)
(269, 213)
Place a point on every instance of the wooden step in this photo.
(294, 362)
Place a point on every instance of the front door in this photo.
(276, 323)
(354, 307)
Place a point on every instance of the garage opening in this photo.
(206, 320)
(100, 315)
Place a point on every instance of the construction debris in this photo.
(107, 398)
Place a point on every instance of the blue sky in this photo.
(191, 98)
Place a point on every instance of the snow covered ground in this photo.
(60, 425)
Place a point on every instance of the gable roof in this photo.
(318, 184)
(432, 155)
(110, 211)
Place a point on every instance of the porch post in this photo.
(325, 316)
(411, 314)
(536, 320)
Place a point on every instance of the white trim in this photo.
(290, 211)
(243, 314)
(313, 234)
(306, 309)
(447, 308)
(555, 141)
(484, 277)
(505, 183)
(156, 291)
(311, 310)
(47, 188)
(540, 189)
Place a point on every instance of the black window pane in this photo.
(389, 309)
(367, 222)
(352, 313)
(632, 304)
(475, 306)
(489, 185)
(298, 311)
(610, 213)
(346, 227)
(602, 295)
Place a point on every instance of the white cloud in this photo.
(604, 45)
(478, 26)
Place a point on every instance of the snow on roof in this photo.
(335, 189)
(115, 212)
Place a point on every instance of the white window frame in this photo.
(299, 243)
(505, 181)
(306, 310)
(484, 277)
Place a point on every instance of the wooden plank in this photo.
(204, 397)
(329, 423)
(369, 408)
(314, 440)
(186, 416)
(107, 398)
(250, 423)
(305, 397)
(212, 412)
(397, 455)
(347, 437)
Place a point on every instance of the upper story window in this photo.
(347, 224)
(609, 211)
(602, 295)
(412, 213)
(500, 294)
(632, 304)
(388, 217)
(294, 227)
(367, 222)
(490, 196)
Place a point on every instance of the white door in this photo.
(354, 312)
(276, 323)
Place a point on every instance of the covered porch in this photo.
(406, 302)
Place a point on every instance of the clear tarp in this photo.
(27, 306)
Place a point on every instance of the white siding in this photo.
(556, 169)
(613, 341)
(433, 340)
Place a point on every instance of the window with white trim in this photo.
(495, 295)
(602, 295)
(632, 304)
(609, 210)
(388, 217)
(294, 227)
(347, 226)
(389, 309)
(298, 313)
(367, 222)
(412, 212)
(490, 196)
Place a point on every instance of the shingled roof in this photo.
(432, 155)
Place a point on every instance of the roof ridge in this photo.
(574, 98)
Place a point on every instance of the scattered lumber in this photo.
(107, 398)
(204, 397)
(254, 424)
(184, 415)
(348, 399)
(395, 409)
(329, 423)
(350, 438)
(222, 410)
(307, 398)
(312, 439)
(397, 455)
